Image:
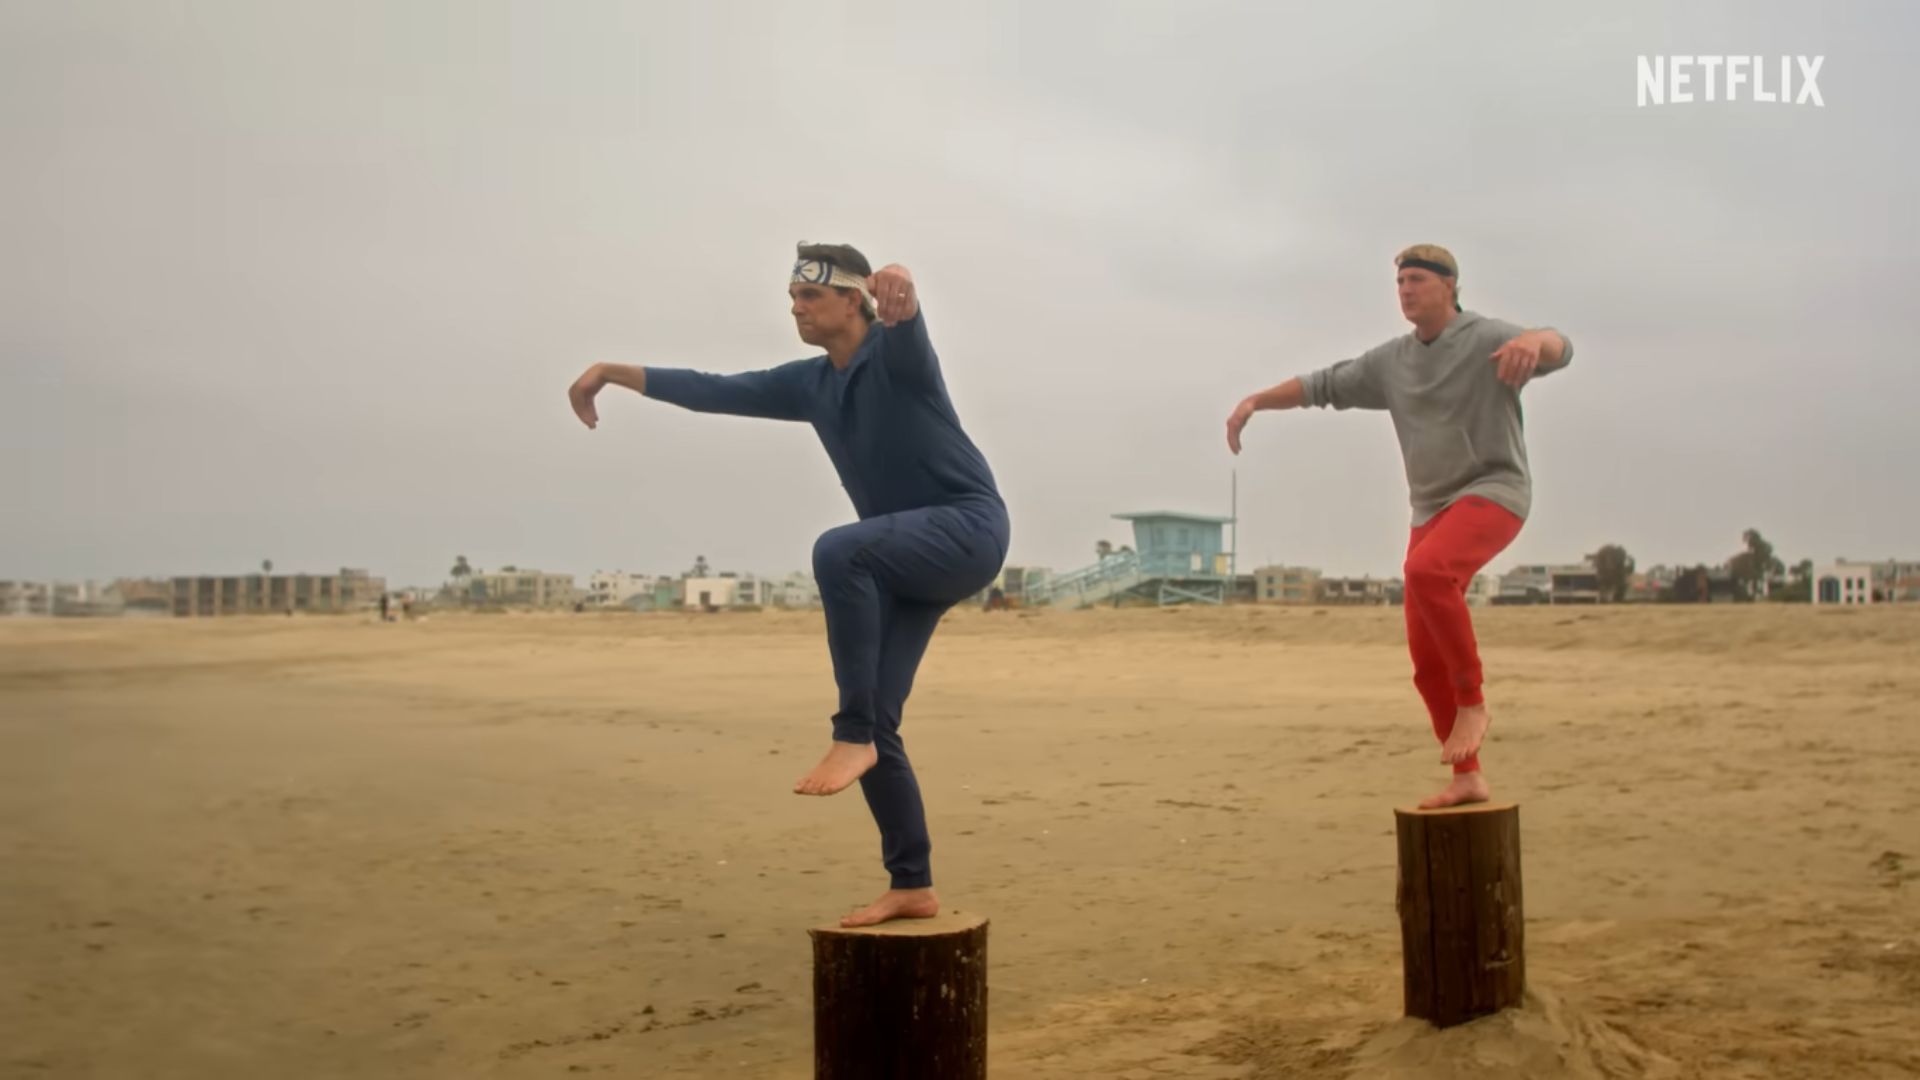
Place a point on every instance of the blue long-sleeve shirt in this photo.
(886, 421)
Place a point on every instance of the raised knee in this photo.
(1426, 574)
(833, 553)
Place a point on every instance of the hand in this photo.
(894, 298)
(1516, 360)
(1242, 413)
(582, 392)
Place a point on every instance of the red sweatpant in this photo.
(1442, 557)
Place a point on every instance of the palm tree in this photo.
(460, 572)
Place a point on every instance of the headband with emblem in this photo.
(820, 272)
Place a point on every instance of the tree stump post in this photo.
(1462, 923)
(905, 1000)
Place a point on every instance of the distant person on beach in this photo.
(1452, 386)
(932, 528)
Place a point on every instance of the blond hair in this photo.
(1437, 259)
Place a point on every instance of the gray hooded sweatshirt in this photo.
(1460, 427)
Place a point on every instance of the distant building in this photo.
(798, 591)
(144, 595)
(1482, 589)
(27, 597)
(1902, 581)
(1575, 583)
(1893, 580)
(1844, 584)
(1286, 585)
(1352, 591)
(709, 593)
(1525, 585)
(756, 591)
(511, 586)
(86, 598)
(1549, 583)
(668, 593)
(617, 588)
(275, 594)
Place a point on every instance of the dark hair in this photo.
(844, 256)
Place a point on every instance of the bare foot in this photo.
(896, 904)
(844, 764)
(1466, 788)
(1469, 728)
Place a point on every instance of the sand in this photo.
(537, 846)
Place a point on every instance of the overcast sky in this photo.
(308, 281)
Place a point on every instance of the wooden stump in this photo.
(1462, 924)
(905, 999)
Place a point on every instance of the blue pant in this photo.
(885, 583)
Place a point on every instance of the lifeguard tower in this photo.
(1176, 559)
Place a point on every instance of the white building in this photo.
(756, 591)
(1548, 583)
(613, 588)
(1482, 589)
(1843, 583)
(26, 598)
(1575, 583)
(515, 587)
(701, 593)
(1895, 581)
(1526, 584)
(798, 590)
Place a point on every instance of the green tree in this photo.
(1799, 587)
(1757, 566)
(1614, 569)
(266, 566)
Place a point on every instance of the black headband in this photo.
(1423, 264)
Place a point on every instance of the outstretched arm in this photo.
(769, 395)
(1349, 384)
(1288, 395)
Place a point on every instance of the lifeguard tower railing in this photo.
(1122, 576)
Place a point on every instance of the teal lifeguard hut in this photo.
(1176, 559)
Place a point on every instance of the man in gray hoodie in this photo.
(1452, 386)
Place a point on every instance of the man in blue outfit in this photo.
(932, 527)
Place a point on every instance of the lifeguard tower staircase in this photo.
(1176, 559)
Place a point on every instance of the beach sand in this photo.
(551, 845)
